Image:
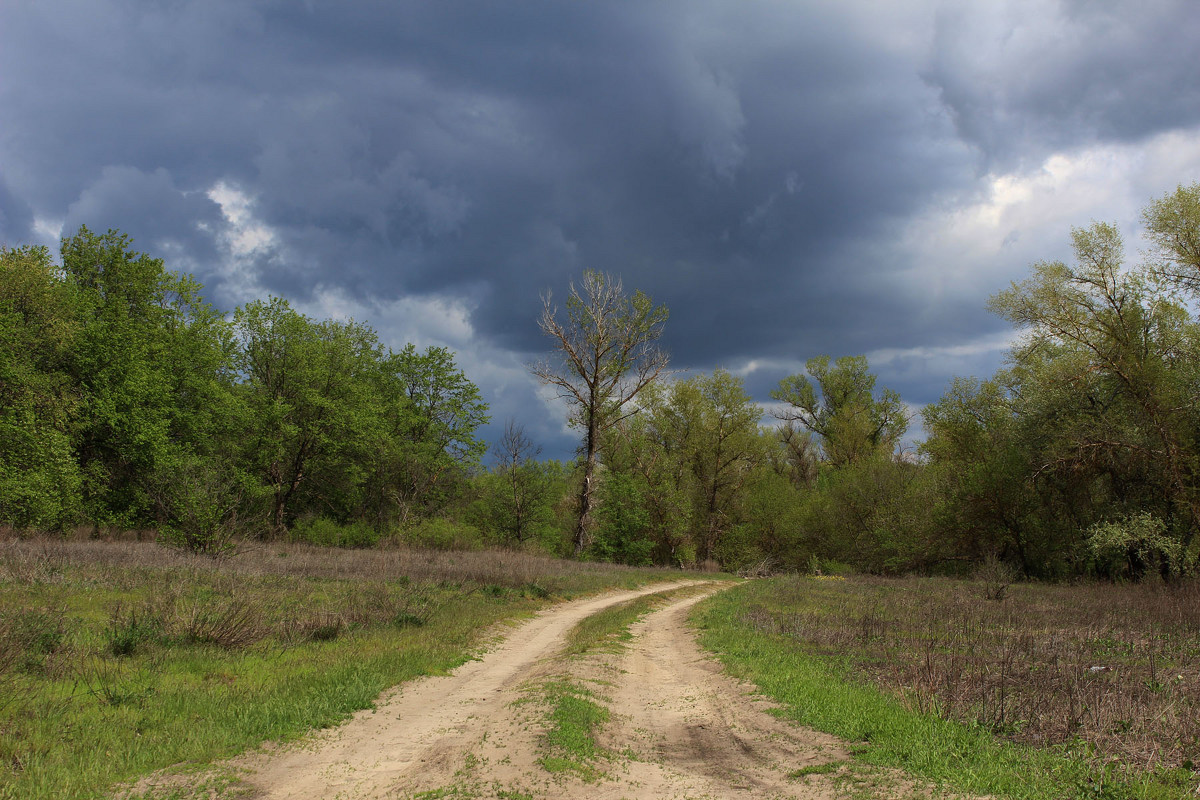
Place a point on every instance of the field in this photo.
(119, 658)
(1089, 690)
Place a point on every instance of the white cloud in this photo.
(972, 249)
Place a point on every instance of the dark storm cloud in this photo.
(1022, 78)
(750, 164)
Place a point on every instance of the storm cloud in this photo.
(789, 178)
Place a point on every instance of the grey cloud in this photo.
(1024, 77)
(752, 164)
(16, 218)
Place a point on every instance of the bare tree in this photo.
(513, 456)
(606, 354)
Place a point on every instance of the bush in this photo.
(622, 522)
(29, 636)
(128, 631)
(1135, 546)
(325, 532)
(444, 534)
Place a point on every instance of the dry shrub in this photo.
(31, 561)
(228, 622)
(320, 627)
(1113, 666)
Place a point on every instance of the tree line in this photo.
(125, 400)
(128, 401)
(1081, 456)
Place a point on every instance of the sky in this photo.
(790, 178)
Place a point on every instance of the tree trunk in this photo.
(583, 529)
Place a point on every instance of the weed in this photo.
(827, 768)
(129, 630)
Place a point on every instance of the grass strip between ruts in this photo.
(820, 693)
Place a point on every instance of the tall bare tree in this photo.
(606, 353)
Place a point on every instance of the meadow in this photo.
(1030, 690)
(118, 658)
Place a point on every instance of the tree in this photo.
(523, 503)
(1110, 365)
(979, 453)
(717, 422)
(39, 477)
(153, 364)
(606, 354)
(432, 424)
(1173, 228)
(852, 423)
(311, 389)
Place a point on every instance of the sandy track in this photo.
(679, 727)
(694, 731)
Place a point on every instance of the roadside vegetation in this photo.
(1043, 692)
(120, 658)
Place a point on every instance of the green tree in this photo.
(311, 390)
(1172, 224)
(691, 454)
(39, 477)
(718, 422)
(522, 502)
(152, 362)
(1116, 361)
(606, 354)
(432, 425)
(978, 453)
(853, 424)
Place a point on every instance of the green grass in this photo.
(130, 658)
(822, 692)
(608, 629)
(575, 713)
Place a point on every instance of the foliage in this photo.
(688, 459)
(620, 534)
(440, 533)
(40, 480)
(126, 400)
(520, 492)
(326, 532)
(852, 424)
(1135, 546)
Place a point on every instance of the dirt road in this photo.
(678, 727)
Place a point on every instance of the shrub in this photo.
(444, 534)
(325, 532)
(1135, 546)
(128, 631)
(28, 636)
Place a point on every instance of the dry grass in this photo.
(289, 592)
(41, 560)
(1114, 669)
